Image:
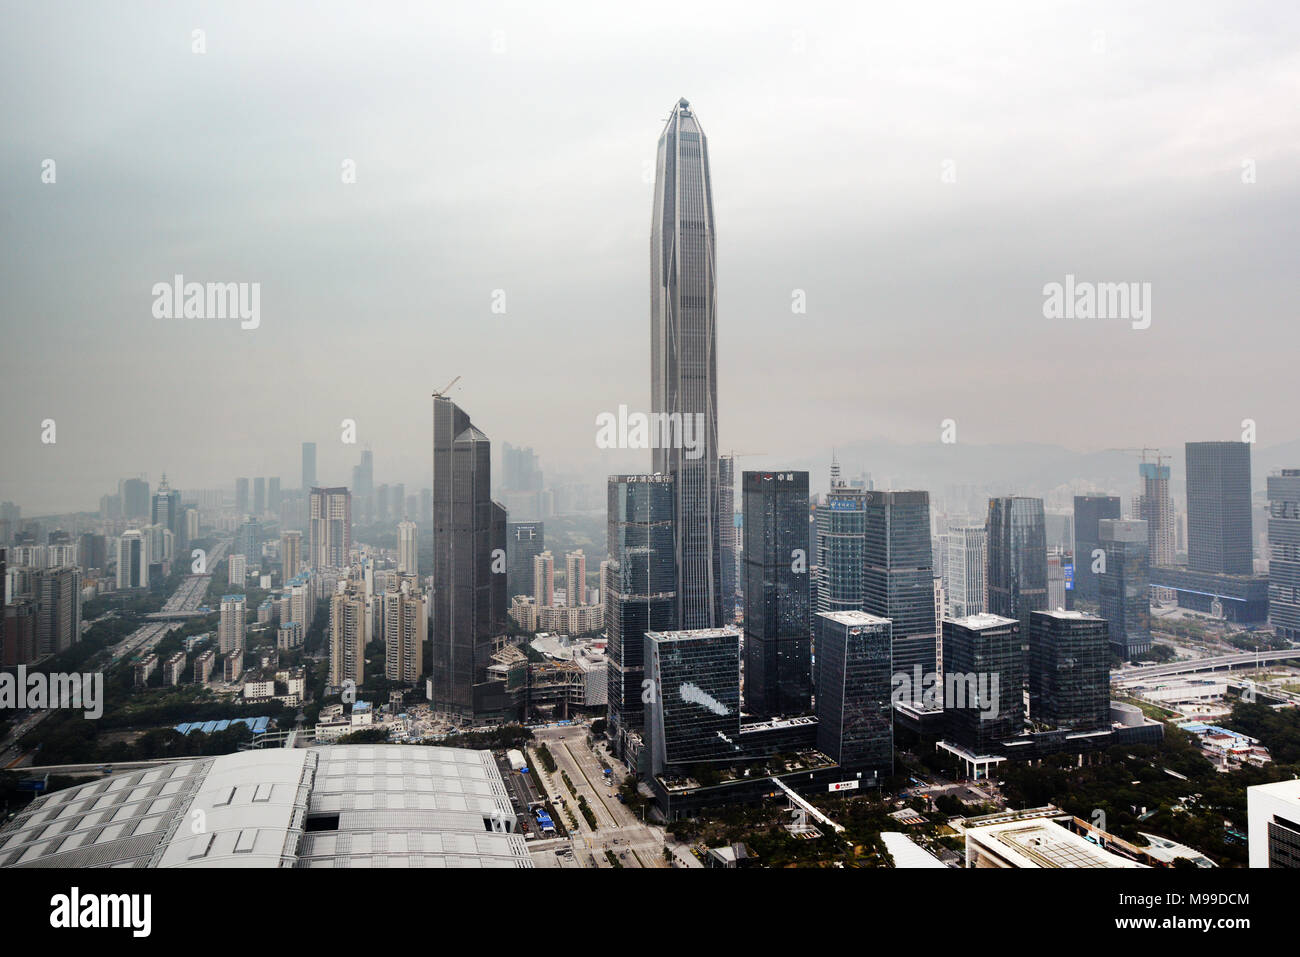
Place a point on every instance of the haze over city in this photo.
(915, 178)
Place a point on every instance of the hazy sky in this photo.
(510, 146)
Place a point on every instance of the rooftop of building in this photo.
(854, 618)
(1039, 841)
(1066, 614)
(982, 621)
(1280, 790)
(340, 806)
(695, 634)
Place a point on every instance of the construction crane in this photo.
(445, 389)
(1160, 459)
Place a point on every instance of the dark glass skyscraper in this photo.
(1017, 549)
(1069, 670)
(640, 589)
(1125, 586)
(778, 679)
(693, 716)
(855, 724)
(980, 649)
(898, 575)
(1218, 508)
(684, 358)
(469, 559)
(1284, 553)
(524, 541)
(727, 535)
(1088, 511)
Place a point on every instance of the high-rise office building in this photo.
(166, 509)
(1284, 553)
(248, 542)
(1069, 670)
(233, 624)
(1017, 550)
(405, 630)
(966, 570)
(408, 549)
(1156, 509)
(363, 487)
(308, 465)
(290, 555)
(1218, 508)
(898, 575)
(855, 724)
(132, 560)
(1124, 587)
(329, 542)
(259, 496)
(778, 669)
(273, 497)
(684, 358)
(524, 542)
(241, 496)
(693, 715)
(984, 662)
(92, 550)
(727, 535)
(135, 498)
(1088, 511)
(469, 551)
(639, 590)
(841, 548)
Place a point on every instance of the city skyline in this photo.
(991, 315)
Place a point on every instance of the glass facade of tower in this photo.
(978, 651)
(841, 548)
(1284, 553)
(727, 535)
(778, 679)
(1069, 670)
(469, 580)
(694, 714)
(640, 589)
(1088, 511)
(524, 541)
(898, 575)
(855, 725)
(1125, 586)
(967, 570)
(683, 357)
(1218, 508)
(1017, 548)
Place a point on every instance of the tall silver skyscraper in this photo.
(684, 359)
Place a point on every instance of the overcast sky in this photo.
(508, 146)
